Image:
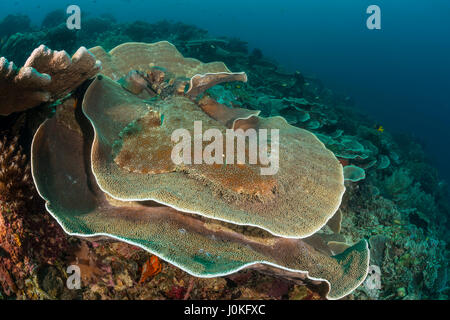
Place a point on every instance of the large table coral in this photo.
(119, 181)
(295, 202)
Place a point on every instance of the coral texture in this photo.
(401, 206)
(111, 112)
(142, 168)
(209, 247)
(46, 76)
(15, 174)
(141, 56)
(29, 238)
(130, 161)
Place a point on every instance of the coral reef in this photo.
(29, 239)
(53, 19)
(104, 97)
(12, 24)
(210, 247)
(401, 207)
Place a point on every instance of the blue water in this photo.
(399, 74)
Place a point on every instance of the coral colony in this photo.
(153, 166)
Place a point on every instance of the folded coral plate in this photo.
(107, 170)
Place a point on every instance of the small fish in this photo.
(151, 268)
(379, 128)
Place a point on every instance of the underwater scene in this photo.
(224, 150)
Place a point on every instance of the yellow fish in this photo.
(379, 128)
